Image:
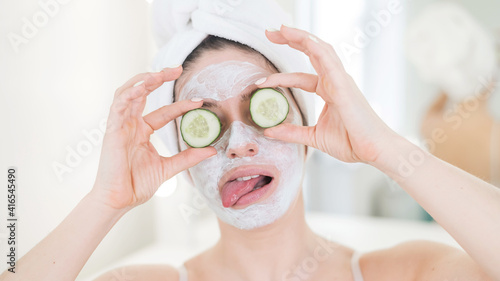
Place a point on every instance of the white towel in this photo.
(182, 24)
(451, 49)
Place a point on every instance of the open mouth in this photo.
(263, 180)
(245, 190)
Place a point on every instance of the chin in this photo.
(262, 213)
(281, 194)
(251, 192)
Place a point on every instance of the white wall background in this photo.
(53, 87)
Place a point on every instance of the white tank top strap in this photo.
(356, 269)
(183, 275)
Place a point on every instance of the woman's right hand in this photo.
(347, 128)
(130, 169)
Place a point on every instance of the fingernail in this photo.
(173, 66)
(196, 99)
(272, 29)
(288, 25)
(313, 38)
(138, 83)
(260, 81)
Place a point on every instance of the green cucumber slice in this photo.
(200, 127)
(268, 107)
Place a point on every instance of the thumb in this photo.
(185, 160)
(293, 133)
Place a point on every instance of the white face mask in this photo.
(220, 82)
(223, 80)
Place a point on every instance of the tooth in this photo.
(247, 178)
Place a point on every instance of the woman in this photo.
(269, 244)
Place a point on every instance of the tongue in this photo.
(232, 191)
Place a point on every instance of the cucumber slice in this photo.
(200, 127)
(268, 107)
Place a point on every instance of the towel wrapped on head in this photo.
(452, 50)
(181, 25)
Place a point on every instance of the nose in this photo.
(248, 149)
(241, 141)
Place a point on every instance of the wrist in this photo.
(99, 200)
(400, 158)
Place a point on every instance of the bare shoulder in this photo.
(421, 260)
(152, 272)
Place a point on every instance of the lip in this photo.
(255, 196)
(249, 170)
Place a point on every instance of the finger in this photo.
(133, 98)
(151, 83)
(185, 159)
(167, 113)
(166, 74)
(275, 36)
(130, 83)
(305, 41)
(304, 81)
(123, 104)
(151, 80)
(322, 55)
(292, 133)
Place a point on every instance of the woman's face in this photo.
(253, 180)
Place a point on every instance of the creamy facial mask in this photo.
(286, 157)
(221, 82)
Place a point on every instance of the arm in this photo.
(64, 252)
(130, 171)
(465, 206)
(349, 130)
(421, 260)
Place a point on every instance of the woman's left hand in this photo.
(348, 128)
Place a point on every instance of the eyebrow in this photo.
(209, 104)
(245, 97)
